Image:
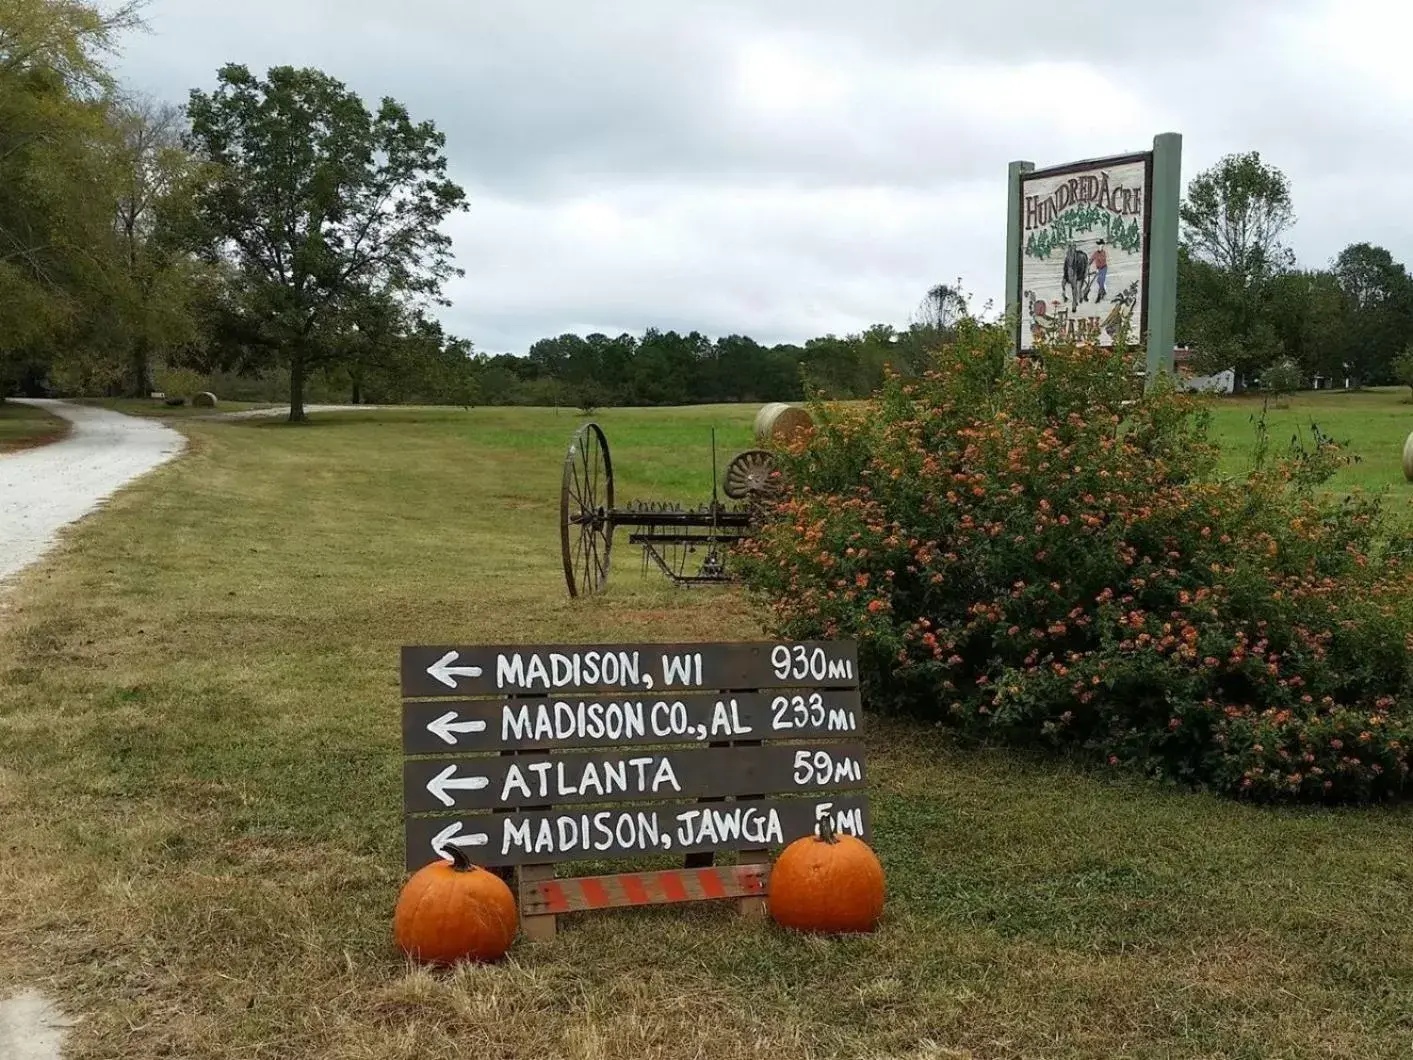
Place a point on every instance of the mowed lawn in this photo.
(200, 799)
(1372, 424)
(24, 426)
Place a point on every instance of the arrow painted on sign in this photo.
(443, 782)
(447, 726)
(450, 836)
(443, 671)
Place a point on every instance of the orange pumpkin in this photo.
(827, 883)
(454, 912)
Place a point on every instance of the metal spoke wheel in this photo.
(748, 475)
(585, 511)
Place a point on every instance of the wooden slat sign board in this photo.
(531, 756)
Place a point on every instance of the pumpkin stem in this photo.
(460, 860)
(826, 828)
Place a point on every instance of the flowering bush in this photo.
(1042, 553)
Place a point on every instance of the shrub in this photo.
(1039, 552)
(589, 396)
(1283, 377)
(179, 382)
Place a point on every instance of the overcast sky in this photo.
(786, 169)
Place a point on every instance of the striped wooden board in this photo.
(548, 897)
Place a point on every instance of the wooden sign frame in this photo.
(1162, 199)
(560, 753)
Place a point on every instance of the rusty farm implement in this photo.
(690, 545)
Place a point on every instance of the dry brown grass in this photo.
(200, 785)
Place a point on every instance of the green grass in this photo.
(200, 784)
(154, 408)
(1372, 423)
(24, 426)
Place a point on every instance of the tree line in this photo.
(669, 368)
(277, 231)
(1244, 303)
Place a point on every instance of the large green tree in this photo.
(156, 178)
(56, 184)
(1310, 319)
(1379, 307)
(65, 39)
(319, 201)
(1233, 219)
(667, 367)
(741, 365)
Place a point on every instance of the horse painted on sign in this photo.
(1075, 277)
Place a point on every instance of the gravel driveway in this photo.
(41, 491)
(44, 489)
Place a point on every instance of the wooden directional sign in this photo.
(501, 763)
(503, 724)
(556, 779)
(545, 836)
(639, 668)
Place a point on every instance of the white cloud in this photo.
(777, 263)
(785, 168)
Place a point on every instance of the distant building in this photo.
(1221, 383)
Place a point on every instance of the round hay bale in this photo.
(1408, 458)
(781, 422)
(203, 400)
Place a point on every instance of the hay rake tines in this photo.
(689, 545)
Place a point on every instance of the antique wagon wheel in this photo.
(585, 511)
(748, 474)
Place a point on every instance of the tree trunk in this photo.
(296, 388)
(140, 380)
(357, 398)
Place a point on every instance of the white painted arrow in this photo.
(444, 781)
(448, 836)
(447, 726)
(443, 671)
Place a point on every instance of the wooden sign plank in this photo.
(448, 727)
(519, 669)
(540, 897)
(494, 781)
(548, 836)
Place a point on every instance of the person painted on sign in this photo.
(1099, 262)
(1038, 316)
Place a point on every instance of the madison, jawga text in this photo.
(629, 831)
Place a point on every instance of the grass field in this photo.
(200, 784)
(24, 426)
(157, 409)
(1372, 423)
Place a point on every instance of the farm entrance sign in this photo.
(1082, 260)
(712, 747)
(1092, 252)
